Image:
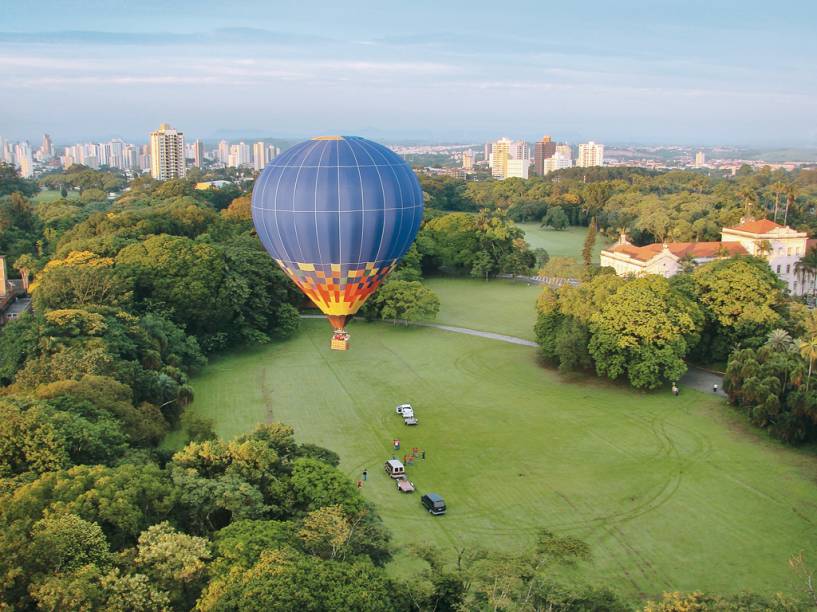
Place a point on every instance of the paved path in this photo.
(695, 378)
(702, 380)
(481, 334)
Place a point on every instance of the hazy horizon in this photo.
(684, 73)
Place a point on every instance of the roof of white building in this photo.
(680, 249)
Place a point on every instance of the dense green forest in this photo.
(133, 291)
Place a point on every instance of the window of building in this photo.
(788, 268)
(788, 251)
(778, 268)
(780, 250)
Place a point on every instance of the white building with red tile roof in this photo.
(663, 259)
(782, 246)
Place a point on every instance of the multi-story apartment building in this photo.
(543, 149)
(167, 153)
(590, 154)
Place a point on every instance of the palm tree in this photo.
(778, 340)
(749, 197)
(807, 266)
(777, 189)
(791, 196)
(808, 350)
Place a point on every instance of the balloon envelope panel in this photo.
(336, 213)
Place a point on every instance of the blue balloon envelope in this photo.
(337, 213)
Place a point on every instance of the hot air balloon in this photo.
(336, 213)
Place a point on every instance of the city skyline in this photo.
(689, 73)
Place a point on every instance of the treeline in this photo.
(650, 206)
(643, 329)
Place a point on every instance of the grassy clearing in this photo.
(671, 493)
(501, 306)
(51, 195)
(564, 243)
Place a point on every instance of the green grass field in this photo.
(501, 306)
(51, 195)
(564, 243)
(671, 493)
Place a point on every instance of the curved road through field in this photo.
(695, 378)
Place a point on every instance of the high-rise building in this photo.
(565, 150)
(244, 154)
(500, 153)
(486, 151)
(6, 154)
(223, 151)
(544, 149)
(518, 168)
(167, 153)
(46, 150)
(130, 158)
(198, 153)
(259, 156)
(23, 160)
(590, 154)
(505, 150)
(272, 152)
(519, 149)
(468, 160)
(557, 161)
(700, 159)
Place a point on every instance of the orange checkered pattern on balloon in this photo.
(338, 289)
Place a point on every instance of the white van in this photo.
(394, 468)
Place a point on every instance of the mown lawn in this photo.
(563, 243)
(50, 195)
(671, 493)
(501, 306)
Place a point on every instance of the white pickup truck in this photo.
(405, 410)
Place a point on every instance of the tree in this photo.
(12, 182)
(808, 350)
(284, 580)
(25, 265)
(589, 243)
(80, 279)
(239, 209)
(644, 330)
(778, 188)
(29, 442)
(791, 197)
(407, 301)
(65, 542)
(315, 485)
(185, 276)
(555, 218)
(541, 257)
(742, 299)
(325, 532)
(779, 340)
(482, 265)
(175, 562)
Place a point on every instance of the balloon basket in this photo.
(340, 341)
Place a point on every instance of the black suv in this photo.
(433, 503)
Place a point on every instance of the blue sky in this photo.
(650, 71)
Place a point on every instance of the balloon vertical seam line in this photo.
(294, 196)
(362, 204)
(317, 233)
(383, 208)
